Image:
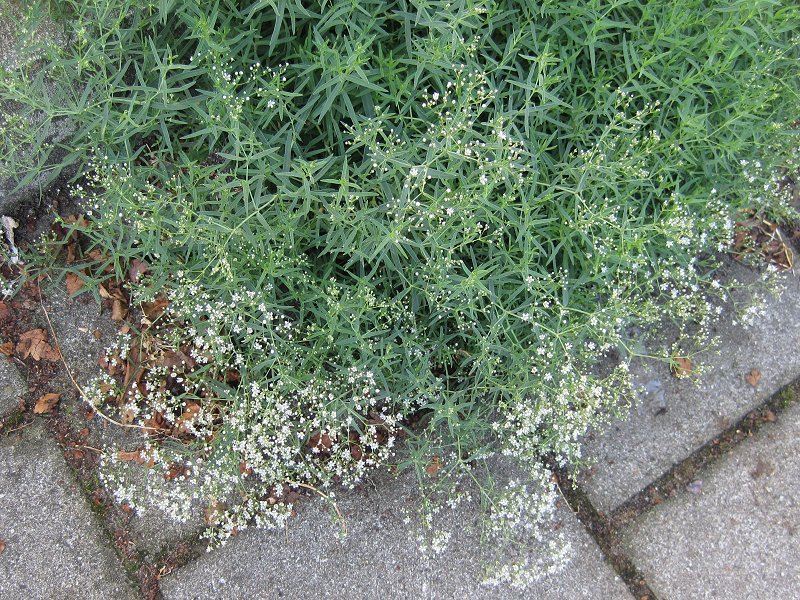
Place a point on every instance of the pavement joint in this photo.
(13, 421)
(605, 534)
(683, 473)
(51, 508)
(111, 518)
(607, 529)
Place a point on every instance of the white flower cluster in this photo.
(523, 528)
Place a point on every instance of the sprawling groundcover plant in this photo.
(409, 233)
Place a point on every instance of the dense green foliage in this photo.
(379, 209)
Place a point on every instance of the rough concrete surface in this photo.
(12, 386)
(10, 13)
(378, 559)
(675, 417)
(81, 330)
(738, 538)
(54, 549)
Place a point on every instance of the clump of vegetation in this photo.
(402, 233)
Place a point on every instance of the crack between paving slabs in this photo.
(142, 575)
(603, 531)
(62, 433)
(607, 529)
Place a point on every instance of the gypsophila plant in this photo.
(404, 232)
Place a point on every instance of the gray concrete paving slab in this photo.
(738, 537)
(54, 546)
(378, 559)
(12, 386)
(83, 331)
(675, 417)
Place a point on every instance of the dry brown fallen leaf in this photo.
(118, 310)
(356, 452)
(434, 466)
(233, 377)
(190, 411)
(137, 269)
(175, 470)
(681, 366)
(127, 417)
(156, 424)
(153, 310)
(128, 455)
(757, 234)
(2, 546)
(114, 365)
(753, 377)
(4, 310)
(97, 256)
(323, 442)
(46, 403)
(34, 344)
(7, 348)
(135, 456)
(72, 252)
(176, 360)
(74, 283)
(80, 221)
